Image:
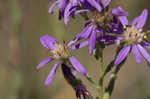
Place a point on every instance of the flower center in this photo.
(132, 35)
(98, 17)
(60, 51)
(102, 19)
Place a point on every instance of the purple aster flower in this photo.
(102, 27)
(134, 38)
(60, 53)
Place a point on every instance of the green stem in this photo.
(100, 89)
(99, 56)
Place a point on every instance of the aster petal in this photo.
(62, 4)
(123, 20)
(144, 53)
(146, 44)
(72, 41)
(86, 32)
(80, 45)
(92, 42)
(68, 10)
(74, 2)
(67, 13)
(106, 3)
(76, 64)
(45, 61)
(48, 41)
(142, 19)
(136, 54)
(81, 11)
(86, 4)
(82, 32)
(134, 22)
(51, 74)
(122, 55)
(95, 4)
(52, 7)
(119, 11)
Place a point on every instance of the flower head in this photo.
(134, 39)
(102, 27)
(60, 53)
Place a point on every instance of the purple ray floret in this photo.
(122, 55)
(135, 39)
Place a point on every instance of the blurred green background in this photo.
(22, 22)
